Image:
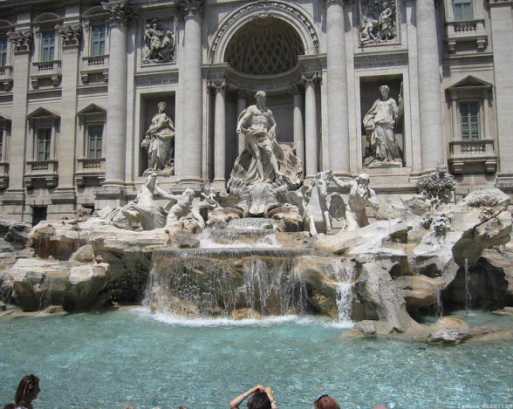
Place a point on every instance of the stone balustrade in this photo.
(4, 175)
(473, 154)
(469, 31)
(6, 72)
(41, 173)
(46, 73)
(90, 171)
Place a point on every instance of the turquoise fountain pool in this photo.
(109, 360)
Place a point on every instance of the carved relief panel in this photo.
(159, 41)
(379, 22)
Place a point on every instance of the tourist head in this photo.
(259, 400)
(27, 391)
(162, 105)
(260, 97)
(326, 402)
(384, 91)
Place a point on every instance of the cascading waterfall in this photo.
(344, 292)
(344, 301)
(274, 287)
(215, 282)
(439, 303)
(468, 295)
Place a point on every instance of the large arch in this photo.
(266, 46)
(278, 9)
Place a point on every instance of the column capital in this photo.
(219, 85)
(70, 34)
(191, 7)
(334, 2)
(310, 77)
(22, 41)
(119, 12)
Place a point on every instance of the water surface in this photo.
(88, 361)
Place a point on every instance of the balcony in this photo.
(6, 78)
(95, 69)
(4, 175)
(46, 73)
(90, 172)
(476, 156)
(466, 32)
(41, 173)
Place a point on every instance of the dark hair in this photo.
(28, 389)
(326, 402)
(259, 400)
(10, 406)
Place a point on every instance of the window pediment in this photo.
(42, 114)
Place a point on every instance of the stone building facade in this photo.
(80, 83)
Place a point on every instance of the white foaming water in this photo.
(176, 320)
(344, 301)
(206, 242)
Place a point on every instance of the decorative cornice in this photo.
(70, 34)
(119, 11)
(191, 7)
(495, 3)
(22, 41)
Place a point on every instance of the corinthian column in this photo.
(65, 193)
(429, 85)
(311, 137)
(116, 97)
(299, 128)
(338, 128)
(501, 15)
(14, 199)
(193, 102)
(219, 133)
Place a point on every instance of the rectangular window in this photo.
(3, 51)
(463, 10)
(47, 46)
(44, 139)
(470, 120)
(94, 141)
(98, 40)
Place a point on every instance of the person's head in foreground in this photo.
(27, 391)
(257, 397)
(326, 402)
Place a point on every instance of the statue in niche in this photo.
(265, 169)
(378, 21)
(383, 149)
(159, 141)
(159, 45)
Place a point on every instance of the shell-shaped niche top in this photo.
(264, 46)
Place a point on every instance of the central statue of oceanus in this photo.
(264, 168)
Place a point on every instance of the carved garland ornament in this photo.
(264, 7)
(71, 34)
(119, 11)
(22, 41)
(191, 7)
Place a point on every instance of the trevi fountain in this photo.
(310, 285)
